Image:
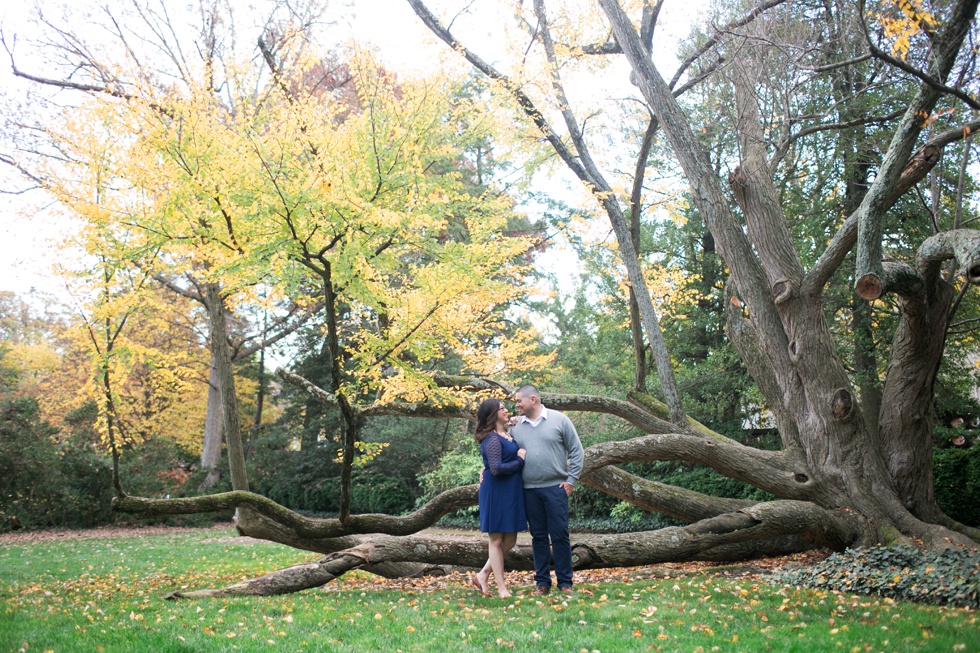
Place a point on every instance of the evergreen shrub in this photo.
(950, 577)
(45, 482)
(956, 474)
(375, 493)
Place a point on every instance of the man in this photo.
(551, 469)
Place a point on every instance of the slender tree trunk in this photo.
(226, 382)
(260, 393)
(111, 429)
(636, 209)
(213, 431)
(348, 426)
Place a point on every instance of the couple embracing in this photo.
(529, 473)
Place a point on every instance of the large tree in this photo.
(842, 479)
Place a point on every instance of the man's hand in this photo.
(568, 487)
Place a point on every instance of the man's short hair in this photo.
(528, 391)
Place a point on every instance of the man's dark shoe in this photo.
(566, 589)
(542, 590)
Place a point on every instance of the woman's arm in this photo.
(494, 451)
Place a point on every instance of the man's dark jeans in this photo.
(547, 519)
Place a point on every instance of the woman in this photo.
(501, 492)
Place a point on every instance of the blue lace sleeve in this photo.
(492, 445)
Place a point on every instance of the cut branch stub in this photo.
(737, 180)
(782, 290)
(842, 405)
(973, 274)
(868, 286)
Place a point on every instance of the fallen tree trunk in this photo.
(763, 529)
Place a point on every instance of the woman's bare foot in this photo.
(480, 584)
(504, 594)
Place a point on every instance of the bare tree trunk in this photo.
(348, 426)
(213, 431)
(226, 381)
(907, 425)
(259, 403)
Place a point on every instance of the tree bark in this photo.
(213, 430)
(791, 525)
(844, 463)
(231, 420)
(917, 349)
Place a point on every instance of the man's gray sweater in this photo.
(554, 451)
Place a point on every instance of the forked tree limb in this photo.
(262, 517)
(870, 225)
(780, 473)
(642, 411)
(915, 283)
(306, 527)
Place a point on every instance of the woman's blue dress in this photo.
(502, 489)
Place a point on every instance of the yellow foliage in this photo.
(31, 361)
(271, 196)
(910, 19)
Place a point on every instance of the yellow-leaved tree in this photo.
(302, 182)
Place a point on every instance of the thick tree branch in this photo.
(744, 337)
(963, 245)
(708, 194)
(659, 497)
(756, 194)
(773, 471)
(777, 472)
(805, 523)
(306, 527)
(868, 266)
(919, 165)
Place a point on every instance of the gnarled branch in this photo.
(778, 526)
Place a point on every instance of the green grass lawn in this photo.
(106, 595)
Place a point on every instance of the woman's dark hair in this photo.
(486, 417)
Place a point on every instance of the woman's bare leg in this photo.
(496, 563)
(482, 578)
